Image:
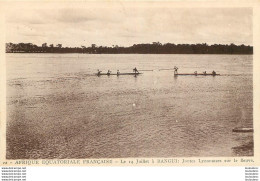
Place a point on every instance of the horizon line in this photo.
(113, 46)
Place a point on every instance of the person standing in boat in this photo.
(213, 73)
(99, 72)
(117, 73)
(205, 73)
(175, 70)
(135, 70)
(108, 72)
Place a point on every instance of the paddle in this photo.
(167, 69)
(145, 70)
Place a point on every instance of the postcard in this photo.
(130, 83)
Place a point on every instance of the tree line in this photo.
(149, 48)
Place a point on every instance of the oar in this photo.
(166, 69)
(145, 70)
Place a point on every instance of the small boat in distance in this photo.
(195, 73)
(98, 74)
(135, 72)
(243, 130)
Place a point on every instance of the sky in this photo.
(75, 26)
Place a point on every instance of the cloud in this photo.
(124, 25)
(74, 16)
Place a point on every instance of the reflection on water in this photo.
(245, 149)
(57, 108)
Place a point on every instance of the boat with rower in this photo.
(195, 73)
(198, 74)
(135, 73)
(99, 74)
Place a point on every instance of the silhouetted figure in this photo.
(213, 73)
(99, 72)
(117, 73)
(176, 70)
(135, 70)
(196, 73)
(108, 72)
(205, 73)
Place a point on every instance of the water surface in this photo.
(56, 108)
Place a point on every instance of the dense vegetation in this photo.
(154, 48)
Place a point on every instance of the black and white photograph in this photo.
(128, 80)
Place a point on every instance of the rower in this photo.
(205, 73)
(99, 72)
(108, 72)
(213, 73)
(135, 70)
(175, 70)
(117, 73)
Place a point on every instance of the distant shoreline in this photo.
(154, 48)
(131, 53)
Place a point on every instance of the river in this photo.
(57, 108)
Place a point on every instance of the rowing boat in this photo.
(198, 74)
(118, 74)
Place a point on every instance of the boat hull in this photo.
(243, 130)
(199, 74)
(119, 74)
